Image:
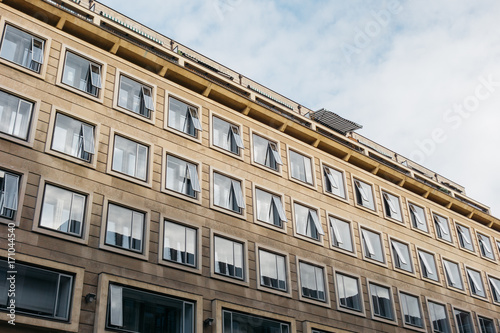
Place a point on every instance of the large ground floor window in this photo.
(236, 322)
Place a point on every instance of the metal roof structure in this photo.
(334, 121)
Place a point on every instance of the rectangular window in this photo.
(417, 215)
(125, 228)
(464, 237)
(179, 244)
(63, 210)
(485, 246)
(341, 234)
(183, 117)
(402, 256)
(269, 208)
(301, 167)
(82, 74)
(134, 310)
(235, 322)
(439, 318)
(475, 283)
(334, 181)
(486, 325)
(428, 265)
(228, 193)
(266, 152)
(495, 288)
(392, 208)
(442, 227)
(307, 222)
(135, 96)
(411, 311)
(39, 292)
(381, 301)
(453, 276)
(9, 194)
(349, 292)
(364, 194)
(15, 115)
(463, 321)
(372, 244)
(227, 136)
(312, 281)
(130, 158)
(182, 177)
(73, 137)
(228, 258)
(22, 48)
(272, 270)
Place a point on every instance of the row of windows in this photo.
(46, 293)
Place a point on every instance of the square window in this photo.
(307, 222)
(227, 136)
(312, 281)
(125, 228)
(348, 292)
(9, 194)
(266, 152)
(182, 177)
(486, 325)
(301, 167)
(428, 265)
(341, 234)
(453, 276)
(438, 317)
(236, 322)
(372, 244)
(402, 256)
(464, 238)
(135, 96)
(179, 244)
(272, 270)
(183, 117)
(392, 208)
(73, 137)
(130, 158)
(475, 283)
(417, 215)
(381, 299)
(82, 74)
(22, 48)
(495, 288)
(269, 208)
(485, 246)
(63, 210)
(364, 194)
(228, 258)
(464, 322)
(411, 310)
(228, 193)
(334, 181)
(15, 115)
(39, 292)
(134, 310)
(442, 228)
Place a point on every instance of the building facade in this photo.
(147, 188)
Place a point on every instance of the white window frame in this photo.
(273, 153)
(475, 282)
(192, 172)
(277, 205)
(146, 101)
(367, 199)
(431, 314)
(340, 179)
(193, 118)
(10, 194)
(397, 255)
(368, 247)
(402, 307)
(309, 172)
(10, 133)
(454, 312)
(488, 248)
(465, 236)
(234, 135)
(359, 312)
(412, 211)
(323, 274)
(336, 234)
(450, 278)
(195, 268)
(493, 321)
(494, 285)
(313, 217)
(237, 197)
(288, 288)
(423, 262)
(394, 207)
(394, 319)
(245, 280)
(442, 230)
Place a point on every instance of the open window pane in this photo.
(428, 265)
(475, 283)
(348, 292)
(125, 228)
(442, 227)
(9, 194)
(334, 181)
(235, 322)
(73, 137)
(228, 258)
(439, 318)
(411, 311)
(224, 194)
(392, 208)
(341, 234)
(15, 115)
(22, 48)
(272, 270)
(495, 288)
(485, 246)
(401, 255)
(417, 215)
(266, 152)
(179, 244)
(312, 281)
(453, 275)
(226, 136)
(372, 245)
(301, 167)
(464, 322)
(464, 237)
(381, 299)
(82, 74)
(135, 97)
(182, 176)
(183, 117)
(307, 222)
(130, 158)
(364, 194)
(269, 208)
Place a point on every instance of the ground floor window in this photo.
(235, 322)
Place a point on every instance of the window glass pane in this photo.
(312, 281)
(475, 283)
(183, 117)
(228, 257)
(265, 152)
(9, 194)
(301, 167)
(62, 210)
(439, 318)
(464, 237)
(130, 157)
(410, 306)
(179, 244)
(486, 325)
(341, 231)
(442, 227)
(131, 97)
(22, 48)
(464, 321)
(77, 73)
(364, 194)
(381, 301)
(269, 208)
(348, 292)
(372, 245)
(401, 255)
(180, 178)
(68, 137)
(225, 137)
(125, 228)
(495, 288)
(417, 215)
(334, 181)
(15, 115)
(272, 270)
(428, 265)
(453, 275)
(228, 193)
(485, 246)
(235, 322)
(304, 221)
(392, 207)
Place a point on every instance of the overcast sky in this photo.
(422, 77)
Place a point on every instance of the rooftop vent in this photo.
(334, 121)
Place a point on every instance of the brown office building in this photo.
(147, 188)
